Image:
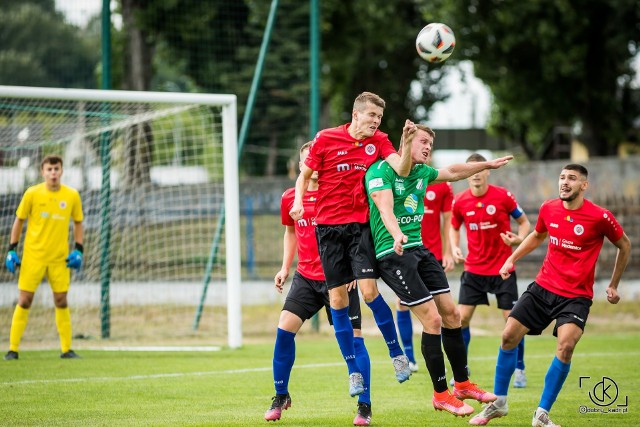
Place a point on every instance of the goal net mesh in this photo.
(153, 229)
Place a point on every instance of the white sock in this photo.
(500, 401)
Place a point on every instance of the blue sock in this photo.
(466, 336)
(344, 335)
(406, 333)
(284, 354)
(553, 382)
(384, 319)
(362, 358)
(520, 363)
(505, 366)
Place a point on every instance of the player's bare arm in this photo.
(289, 244)
(302, 183)
(384, 202)
(454, 241)
(622, 259)
(459, 171)
(531, 242)
(512, 239)
(447, 257)
(401, 164)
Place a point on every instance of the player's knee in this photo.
(565, 351)
(509, 340)
(369, 293)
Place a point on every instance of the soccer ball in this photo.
(435, 42)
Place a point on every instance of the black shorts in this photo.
(538, 307)
(414, 276)
(346, 253)
(474, 289)
(306, 297)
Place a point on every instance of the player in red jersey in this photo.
(563, 288)
(486, 211)
(341, 157)
(307, 295)
(435, 223)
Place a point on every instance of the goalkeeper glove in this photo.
(74, 260)
(12, 261)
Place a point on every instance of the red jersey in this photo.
(341, 162)
(437, 200)
(575, 240)
(308, 258)
(485, 217)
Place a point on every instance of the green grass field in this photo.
(234, 387)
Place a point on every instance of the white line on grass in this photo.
(266, 369)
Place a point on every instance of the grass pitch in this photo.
(234, 387)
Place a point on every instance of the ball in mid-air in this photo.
(435, 42)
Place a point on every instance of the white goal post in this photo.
(186, 146)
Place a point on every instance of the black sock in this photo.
(456, 353)
(434, 359)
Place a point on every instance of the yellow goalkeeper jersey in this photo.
(48, 214)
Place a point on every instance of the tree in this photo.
(552, 63)
(370, 46)
(37, 48)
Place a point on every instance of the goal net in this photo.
(157, 174)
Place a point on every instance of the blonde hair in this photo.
(367, 97)
(426, 129)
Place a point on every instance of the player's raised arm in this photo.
(401, 163)
(458, 171)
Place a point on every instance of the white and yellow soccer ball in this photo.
(435, 42)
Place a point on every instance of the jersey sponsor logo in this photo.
(578, 229)
(62, 204)
(431, 195)
(370, 149)
(375, 183)
(473, 226)
(486, 225)
(343, 167)
(491, 209)
(304, 222)
(420, 184)
(411, 203)
(44, 214)
(408, 219)
(553, 225)
(470, 213)
(564, 243)
(342, 152)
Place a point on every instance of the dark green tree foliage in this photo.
(552, 63)
(217, 42)
(370, 46)
(37, 48)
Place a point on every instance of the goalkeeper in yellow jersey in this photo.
(48, 208)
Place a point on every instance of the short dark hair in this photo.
(365, 97)
(52, 159)
(578, 168)
(476, 157)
